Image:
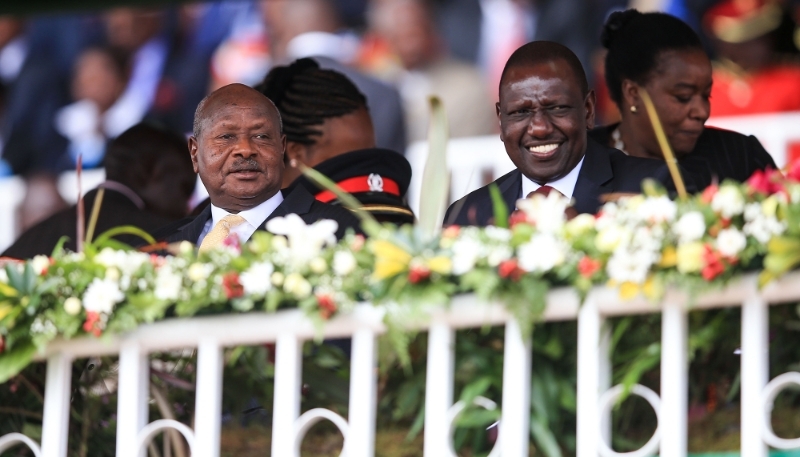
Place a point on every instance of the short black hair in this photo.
(537, 52)
(306, 95)
(132, 157)
(635, 42)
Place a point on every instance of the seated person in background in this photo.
(328, 127)
(545, 110)
(149, 181)
(237, 147)
(661, 54)
(750, 75)
(99, 79)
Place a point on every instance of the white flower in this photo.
(305, 241)
(256, 280)
(318, 265)
(185, 247)
(494, 233)
(101, 296)
(541, 254)
(730, 242)
(39, 327)
(466, 252)
(168, 284)
(73, 305)
(610, 237)
(112, 274)
(728, 201)
(547, 213)
(3, 276)
(277, 278)
(657, 209)
(690, 227)
(297, 285)
(126, 261)
(580, 224)
(764, 228)
(498, 254)
(40, 263)
(199, 272)
(344, 263)
(630, 266)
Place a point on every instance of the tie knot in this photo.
(543, 190)
(231, 220)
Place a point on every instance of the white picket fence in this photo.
(289, 329)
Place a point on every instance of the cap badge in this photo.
(375, 182)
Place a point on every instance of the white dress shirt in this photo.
(254, 218)
(565, 185)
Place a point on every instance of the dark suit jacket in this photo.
(718, 155)
(604, 170)
(299, 201)
(116, 210)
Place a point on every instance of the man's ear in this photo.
(295, 151)
(499, 122)
(630, 95)
(193, 153)
(590, 104)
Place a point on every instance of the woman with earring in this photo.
(662, 55)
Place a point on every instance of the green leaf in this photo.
(475, 389)
(104, 237)
(435, 176)
(498, 206)
(544, 438)
(14, 360)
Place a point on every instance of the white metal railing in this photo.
(289, 329)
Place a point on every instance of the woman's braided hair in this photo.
(306, 95)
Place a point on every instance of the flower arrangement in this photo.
(639, 244)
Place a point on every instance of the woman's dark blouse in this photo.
(718, 155)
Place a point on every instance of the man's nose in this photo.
(539, 125)
(244, 147)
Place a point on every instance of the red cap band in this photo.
(371, 183)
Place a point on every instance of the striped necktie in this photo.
(221, 231)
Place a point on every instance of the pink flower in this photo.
(93, 324)
(766, 181)
(510, 270)
(714, 264)
(232, 241)
(708, 193)
(417, 274)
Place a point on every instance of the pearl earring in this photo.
(633, 109)
(293, 163)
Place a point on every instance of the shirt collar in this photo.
(565, 185)
(254, 216)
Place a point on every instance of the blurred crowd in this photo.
(71, 82)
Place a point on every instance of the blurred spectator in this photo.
(425, 69)
(312, 28)
(488, 31)
(30, 93)
(749, 77)
(149, 182)
(99, 79)
(327, 127)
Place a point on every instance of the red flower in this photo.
(510, 269)
(231, 285)
(588, 266)
(418, 274)
(327, 306)
(270, 352)
(93, 324)
(766, 181)
(2, 344)
(714, 264)
(794, 171)
(708, 193)
(517, 217)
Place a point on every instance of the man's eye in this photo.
(683, 98)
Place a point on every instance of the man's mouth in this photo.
(543, 150)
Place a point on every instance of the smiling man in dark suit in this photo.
(545, 110)
(237, 147)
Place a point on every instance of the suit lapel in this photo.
(594, 178)
(192, 230)
(511, 189)
(295, 201)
